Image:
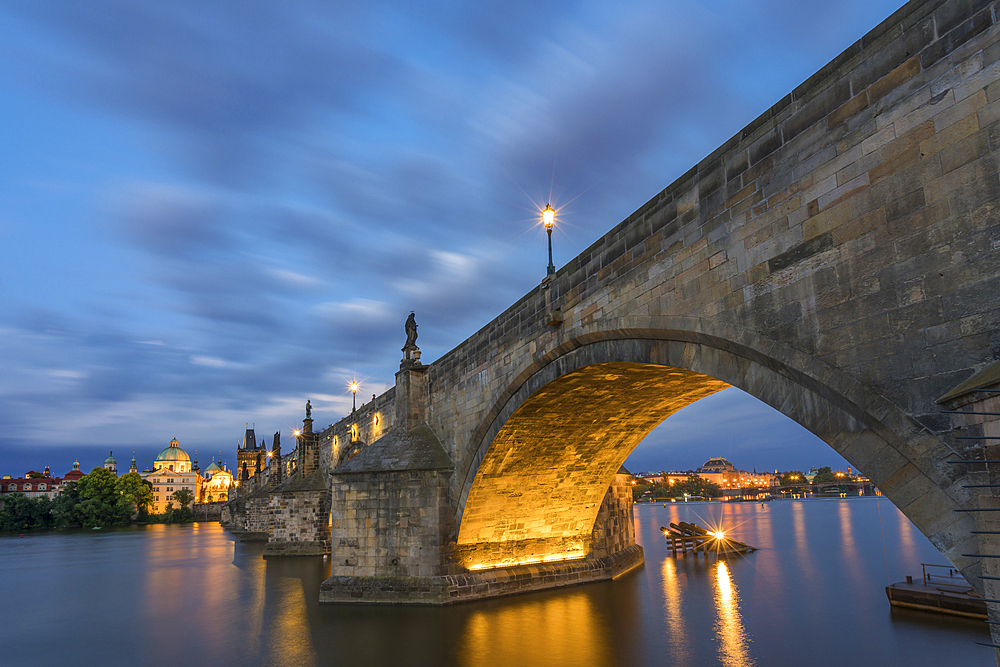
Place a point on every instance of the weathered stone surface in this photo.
(298, 517)
(418, 449)
(451, 589)
(836, 259)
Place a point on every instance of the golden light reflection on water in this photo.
(906, 543)
(802, 546)
(850, 549)
(289, 626)
(674, 612)
(734, 650)
(569, 626)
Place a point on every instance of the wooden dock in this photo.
(943, 590)
(683, 537)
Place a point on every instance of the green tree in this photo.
(135, 494)
(824, 475)
(99, 484)
(20, 512)
(99, 500)
(184, 497)
(184, 514)
(694, 486)
(793, 477)
(64, 506)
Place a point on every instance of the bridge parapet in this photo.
(840, 248)
(339, 441)
(835, 259)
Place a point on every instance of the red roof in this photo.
(49, 482)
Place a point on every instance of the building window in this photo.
(41, 487)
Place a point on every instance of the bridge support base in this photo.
(249, 536)
(481, 584)
(304, 548)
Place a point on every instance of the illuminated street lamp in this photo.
(354, 395)
(549, 219)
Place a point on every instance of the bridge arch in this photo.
(547, 450)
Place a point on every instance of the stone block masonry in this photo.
(841, 248)
(298, 517)
(836, 259)
(390, 511)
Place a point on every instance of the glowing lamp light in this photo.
(270, 454)
(719, 535)
(354, 386)
(549, 219)
(297, 433)
(548, 216)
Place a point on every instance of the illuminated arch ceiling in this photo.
(546, 472)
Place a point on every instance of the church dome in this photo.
(173, 453)
(110, 459)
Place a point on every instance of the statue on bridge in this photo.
(411, 353)
(411, 332)
(309, 409)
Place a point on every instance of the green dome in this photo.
(173, 453)
(110, 459)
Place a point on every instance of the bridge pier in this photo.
(389, 526)
(835, 259)
(977, 404)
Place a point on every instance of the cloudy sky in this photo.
(215, 210)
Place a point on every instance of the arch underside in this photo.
(555, 440)
(539, 489)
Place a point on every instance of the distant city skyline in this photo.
(684, 441)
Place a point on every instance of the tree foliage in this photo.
(793, 477)
(135, 493)
(694, 486)
(99, 498)
(184, 497)
(20, 512)
(824, 475)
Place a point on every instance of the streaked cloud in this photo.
(213, 208)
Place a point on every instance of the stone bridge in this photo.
(836, 259)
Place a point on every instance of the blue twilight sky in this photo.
(212, 211)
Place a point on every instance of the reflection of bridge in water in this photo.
(835, 259)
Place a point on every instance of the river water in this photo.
(189, 595)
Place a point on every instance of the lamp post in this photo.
(549, 219)
(354, 395)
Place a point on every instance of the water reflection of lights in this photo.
(733, 641)
(672, 596)
(906, 543)
(570, 627)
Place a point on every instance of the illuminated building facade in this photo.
(173, 471)
(33, 484)
(722, 472)
(216, 484)
(251, 457)
(111, 464)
